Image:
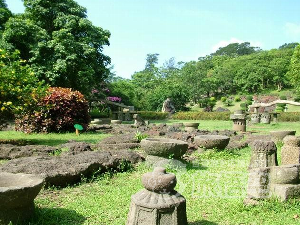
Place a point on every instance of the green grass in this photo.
(51, 139)
(227, 125)
(214, 187)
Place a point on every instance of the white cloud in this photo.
(293, 30)
(224, 43)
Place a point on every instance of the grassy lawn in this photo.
(52, 139)
(214, 186)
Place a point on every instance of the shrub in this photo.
(203, 102)
(248, 103)
(249, 98)
(152, 115)
(237, 99)
(207, 103)
(58, 111)
(228, 102)
(243, 106)
(289, 116)
(202, 115)
(95, 113)
(297, 98)
(281, 106)
(283, 97)
(139, 136)
(223, 99)
(19, 86)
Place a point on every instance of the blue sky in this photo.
(186, 29)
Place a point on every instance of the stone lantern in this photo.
(239, 121)
(255, 118)
(158, 203)
(265, 118)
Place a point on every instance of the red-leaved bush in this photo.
(57, 111)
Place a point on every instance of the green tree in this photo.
(235, 49)
(63, 47)
(294, 72)
(151, 61)
(292, 45)
(19, 87)
(5, 14)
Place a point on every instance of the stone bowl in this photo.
(212, 141)
(116, 121)
(279, 135)
(191, 126)
(164, 147)
(17, 193)
(96, 121)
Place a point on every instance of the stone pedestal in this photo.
(264, 154)
(17, 194)
(158, 203)
(239, 121)
(265, 118)
(255, 118)
(290, 151)
(276, 181)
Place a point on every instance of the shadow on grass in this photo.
(202, 222)
(54, 216)
(195, 166)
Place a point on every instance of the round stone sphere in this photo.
(164, 147)
(212, 141)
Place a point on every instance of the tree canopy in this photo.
(237, 49)
(5, 14)
(294, 72)
(62, 46)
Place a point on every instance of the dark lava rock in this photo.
(68, 169)
(8, 151)
(119, 146)
(124, 138)
(75, 147)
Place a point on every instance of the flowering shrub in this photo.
(19, 87)
(114, 99)
(59, 110)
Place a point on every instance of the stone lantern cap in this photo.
(159, 181)
(237, 116)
